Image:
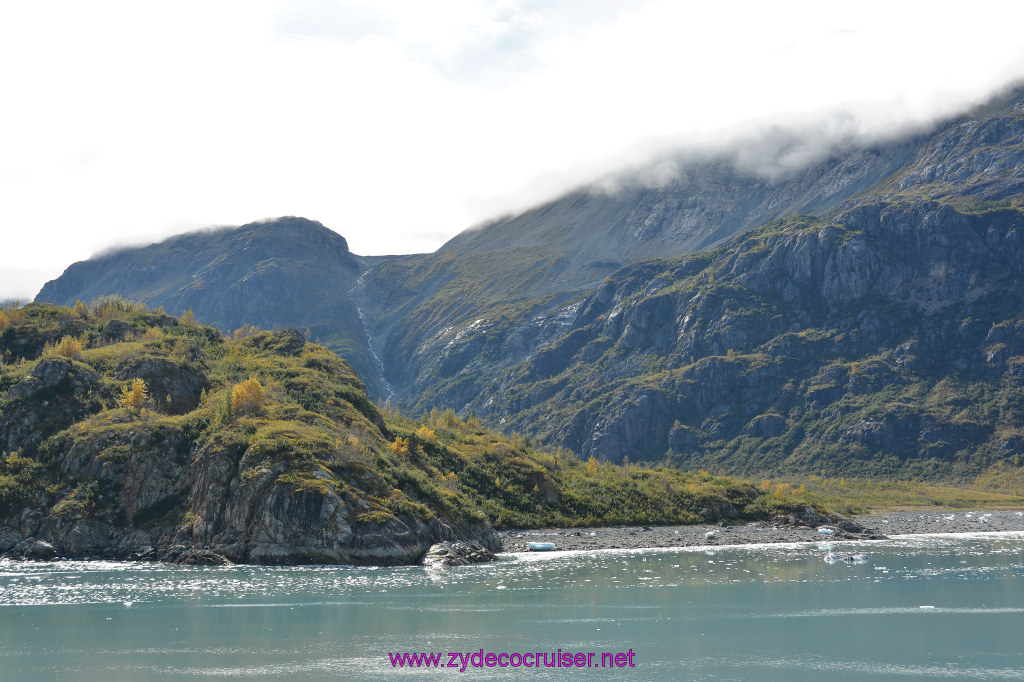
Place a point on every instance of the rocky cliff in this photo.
(197, 470)
(884, 341)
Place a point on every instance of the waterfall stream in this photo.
(378, 365)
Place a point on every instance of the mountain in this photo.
(492, 295)
(882, 337)
(129, 433)
(859, 315)
(286, 272)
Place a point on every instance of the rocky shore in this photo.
(872, 526)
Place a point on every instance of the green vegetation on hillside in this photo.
(89, 392)
(89, 389)
(883, 343)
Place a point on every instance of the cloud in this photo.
(331, 21)
(393, 118)
(20, 284)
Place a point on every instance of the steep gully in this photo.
(356, 294)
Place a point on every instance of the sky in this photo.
(399, 123)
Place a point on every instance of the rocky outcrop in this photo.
(60, 386)
(252, 518)
(457, 554)
(174, 386)
(837, 527)
(150, 498)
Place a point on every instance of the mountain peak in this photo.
(287, 271)
(302, 231)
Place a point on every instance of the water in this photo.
(378, 364)
(777, 612)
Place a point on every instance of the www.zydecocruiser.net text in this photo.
(464, 660)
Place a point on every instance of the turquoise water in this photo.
(778, 612)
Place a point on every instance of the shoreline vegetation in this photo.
(130, 433)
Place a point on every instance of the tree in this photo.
(247, 397)
(134, 395)
(400, 447)
(188, 317)
(69, 347)
(244, 331)
(592, 466)
(222, 413)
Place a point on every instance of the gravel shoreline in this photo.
(876, 526)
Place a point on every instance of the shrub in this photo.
(247, 397)
(82, 503)
(69, 347)
(244, 332)
(20, 481)
(10, 315)
(107, 308)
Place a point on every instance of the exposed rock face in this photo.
(45, 374)
(254, 520)
(39, 550)
(176, 387)
(145, 480)
(778, 343)
(59, 385)
(457, 554)
(816, 319)
(116, 330)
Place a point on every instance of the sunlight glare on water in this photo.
(917, 608)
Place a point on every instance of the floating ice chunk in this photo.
(825, 531)
(925, 606)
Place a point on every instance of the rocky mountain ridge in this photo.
(593, 322)
(289, 272)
